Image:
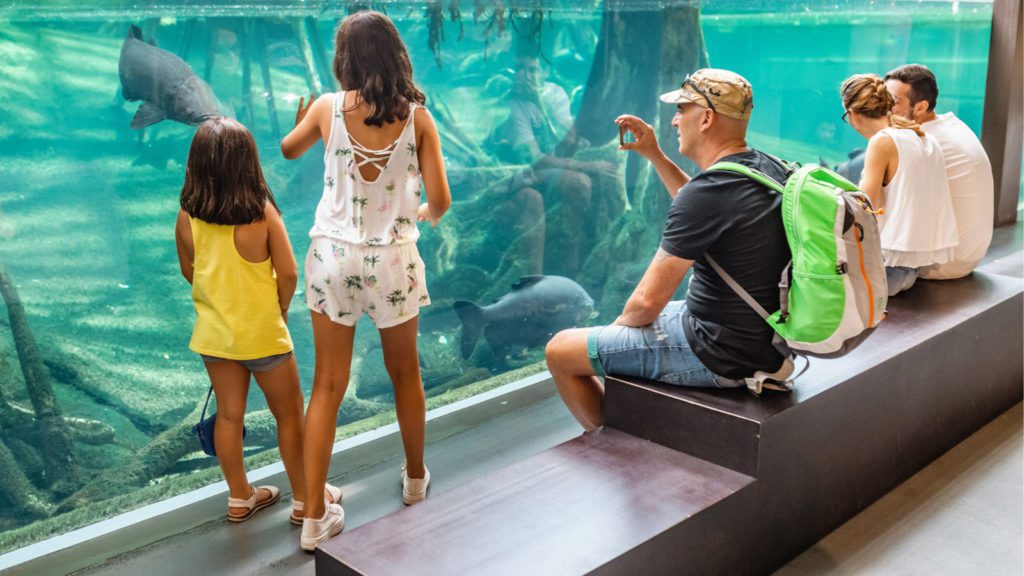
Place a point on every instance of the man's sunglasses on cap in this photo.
(693, 86)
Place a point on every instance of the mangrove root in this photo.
(17, 490)
(58, 450)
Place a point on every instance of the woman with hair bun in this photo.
(905, 176)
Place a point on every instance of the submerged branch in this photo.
(57, 447)
(16, 489)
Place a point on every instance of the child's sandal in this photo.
(252, 504)
(298, 508)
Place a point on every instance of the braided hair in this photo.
(866, 95)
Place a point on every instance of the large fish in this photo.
(165, 83)
(535, 309)
(852, 168)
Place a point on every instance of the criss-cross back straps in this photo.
(376, 158)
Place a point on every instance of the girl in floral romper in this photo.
(380, 145)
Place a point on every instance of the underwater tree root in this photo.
(70, 370)
(171, 445)
(55, 443)
(16, 488)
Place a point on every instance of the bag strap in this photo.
(760, 379)
(768, 181)
(749, 172)
(737, 288)
(203, 415)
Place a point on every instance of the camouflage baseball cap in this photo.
(723, 91)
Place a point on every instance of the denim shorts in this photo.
(900, 278)
(658, 351)
(264, 364)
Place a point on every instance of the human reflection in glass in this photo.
(545, 205)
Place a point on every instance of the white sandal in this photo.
(298, 507)
(252, 504)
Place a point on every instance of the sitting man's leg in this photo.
(579, 358)
(580, 388)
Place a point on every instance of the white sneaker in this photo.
(414, 489)
(316, 531)
(298, 507)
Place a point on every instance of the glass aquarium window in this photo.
(551, 225)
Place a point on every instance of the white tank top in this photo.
(918, 227)
(377, 213)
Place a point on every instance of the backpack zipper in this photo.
(864, 274)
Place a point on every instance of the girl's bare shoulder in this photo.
(423, 121)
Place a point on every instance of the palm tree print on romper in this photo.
(338, 250)
(396, 232)
(396, 300)
(321, 304)
(357, 219)
(410, 275)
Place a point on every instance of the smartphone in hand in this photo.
(625, 136)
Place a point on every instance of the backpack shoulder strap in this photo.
(737, 288)
(749, 172)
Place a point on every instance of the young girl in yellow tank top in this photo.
(234, 251)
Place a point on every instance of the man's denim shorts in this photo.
(658, 351)
(256, 364)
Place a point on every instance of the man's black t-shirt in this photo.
(739, 223)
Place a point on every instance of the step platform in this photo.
(690, 481)
(945, 362)
(569, 510)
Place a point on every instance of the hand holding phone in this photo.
(637, 135)
(625, 135)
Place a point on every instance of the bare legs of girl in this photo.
(280, 385)
(403, 366)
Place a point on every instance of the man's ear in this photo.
(920, 109)
(707, 119)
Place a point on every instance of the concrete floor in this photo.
(963, 514)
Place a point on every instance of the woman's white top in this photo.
(918, 227)
(381, 212)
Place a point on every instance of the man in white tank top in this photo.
(968, 169)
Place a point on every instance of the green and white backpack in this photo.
(833, 293)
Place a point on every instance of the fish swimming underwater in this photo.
(534, 310)
(852, 168)
(165, 83)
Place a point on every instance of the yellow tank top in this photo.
(238, 315)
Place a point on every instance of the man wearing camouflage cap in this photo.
(712, 339)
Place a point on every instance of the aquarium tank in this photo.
(98, 390)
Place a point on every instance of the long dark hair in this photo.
(370, 57)
(223, 180)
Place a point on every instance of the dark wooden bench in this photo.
(686, 481)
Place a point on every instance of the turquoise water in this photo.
(87, 205)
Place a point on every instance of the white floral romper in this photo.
(363, 257)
